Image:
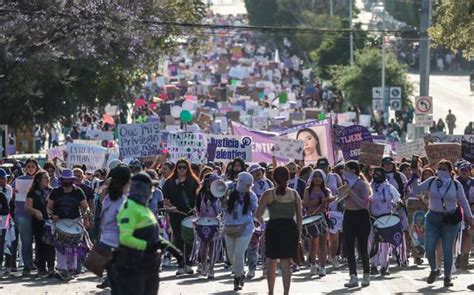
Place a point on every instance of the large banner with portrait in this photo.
(317, 137)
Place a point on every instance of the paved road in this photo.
(450, 92)
(410, 280)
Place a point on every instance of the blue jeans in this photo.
(435, 229)
(252, 258)
(23, 223)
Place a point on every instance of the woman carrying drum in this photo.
(207, 209)
(68, 202)
(36, 201)
(282, 233)
(382, 202)
(316, 200)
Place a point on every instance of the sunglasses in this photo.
(182, 167)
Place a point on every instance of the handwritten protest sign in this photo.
(56, 152)
(139, 140)
(288, 148)
(408, 149)
(191, 146)
(440, 151)
(226, 148)
(371, 153)
(81, 154)
(350, 139)
(467, 150)
(22, 186)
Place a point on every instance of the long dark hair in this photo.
(232, 175)
(190, 176)
(313, 134)
(204, 192)
(35, 185)
(281, 175)
(33, 160)
(119, 177)
(322, 185)
(234, 195)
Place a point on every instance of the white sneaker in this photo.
(313, 270)
(353, 282)
(166, 262)
(365, 280)
(322, 271)
(335, 262)
(453, 268)
(251, 274)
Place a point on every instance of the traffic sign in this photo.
(377, 105)
(423, 120)
(377, 93)
(395, 92)
(423, 105)
(396, 104)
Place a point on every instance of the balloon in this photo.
(283, 97)
(176, 111)
(321, 116)
(186, 116)
(188, 105)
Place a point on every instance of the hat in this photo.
(314, 173)
(322, 162)
(3, 174)
(135, 163)
(245, 178)
(67, 174)
(114, 163)
(388, 160)
(465, 165)
(255, 167)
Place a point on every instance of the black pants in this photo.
(175, 222)
(45, 254)
(356, 225)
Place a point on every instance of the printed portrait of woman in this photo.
(312, 149)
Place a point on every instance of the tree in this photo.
(453, 24)
(356, 81)
(57, 56)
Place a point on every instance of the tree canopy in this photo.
(57, 56)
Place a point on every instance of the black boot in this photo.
(385, 271)
(242, 281)
(237, 286)
(447, 282)
(432, 277)
(373, 270)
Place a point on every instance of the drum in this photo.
(388, 228)
(69, 232)
(48, 232)
(207, 228)
(335, 221)
(187, 233)
(314, 226)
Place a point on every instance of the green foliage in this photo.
(262, 12)
(357, 81)
(407, 11)
(453, 26)
(59, 56)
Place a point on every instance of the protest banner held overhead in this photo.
(139, 140)
(81, 154)
(408, 149)
(288, 148)
(371, 153)
(350, 139)
(467, 150)
(190, 146)
(225, 148)
(440, 151)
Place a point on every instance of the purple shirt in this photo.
(109, 231)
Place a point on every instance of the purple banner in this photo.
(350, 139)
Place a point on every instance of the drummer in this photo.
(382, 202)
(207, 206)
(67, 202)
(316, 199)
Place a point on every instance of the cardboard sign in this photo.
(440, 151)
(225, 148)
(190, 146)
(467, 150)
(81, 154)
(204, 120)
(408, 149)
(260, 122)
(371, 153)
(288, 148)
(22, 186)
(139, 140)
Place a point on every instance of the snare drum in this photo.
(335, 221)
(69, 232)
(187, 232)
(388, 228)
(314, 226)
(48, 233)
(207, 228)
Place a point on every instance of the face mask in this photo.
(292, 175)
(443, 174)
(66, 184)
(378, 179)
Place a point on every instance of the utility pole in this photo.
(425, 23)
(383, 67)
(331, 8)
(351, 38)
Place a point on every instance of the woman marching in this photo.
(207, 207)
(382, 202)
(282, 233)
(316, 200)
(239, 208)
(444, 217)
(356, 223)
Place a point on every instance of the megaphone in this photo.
(219, 188)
